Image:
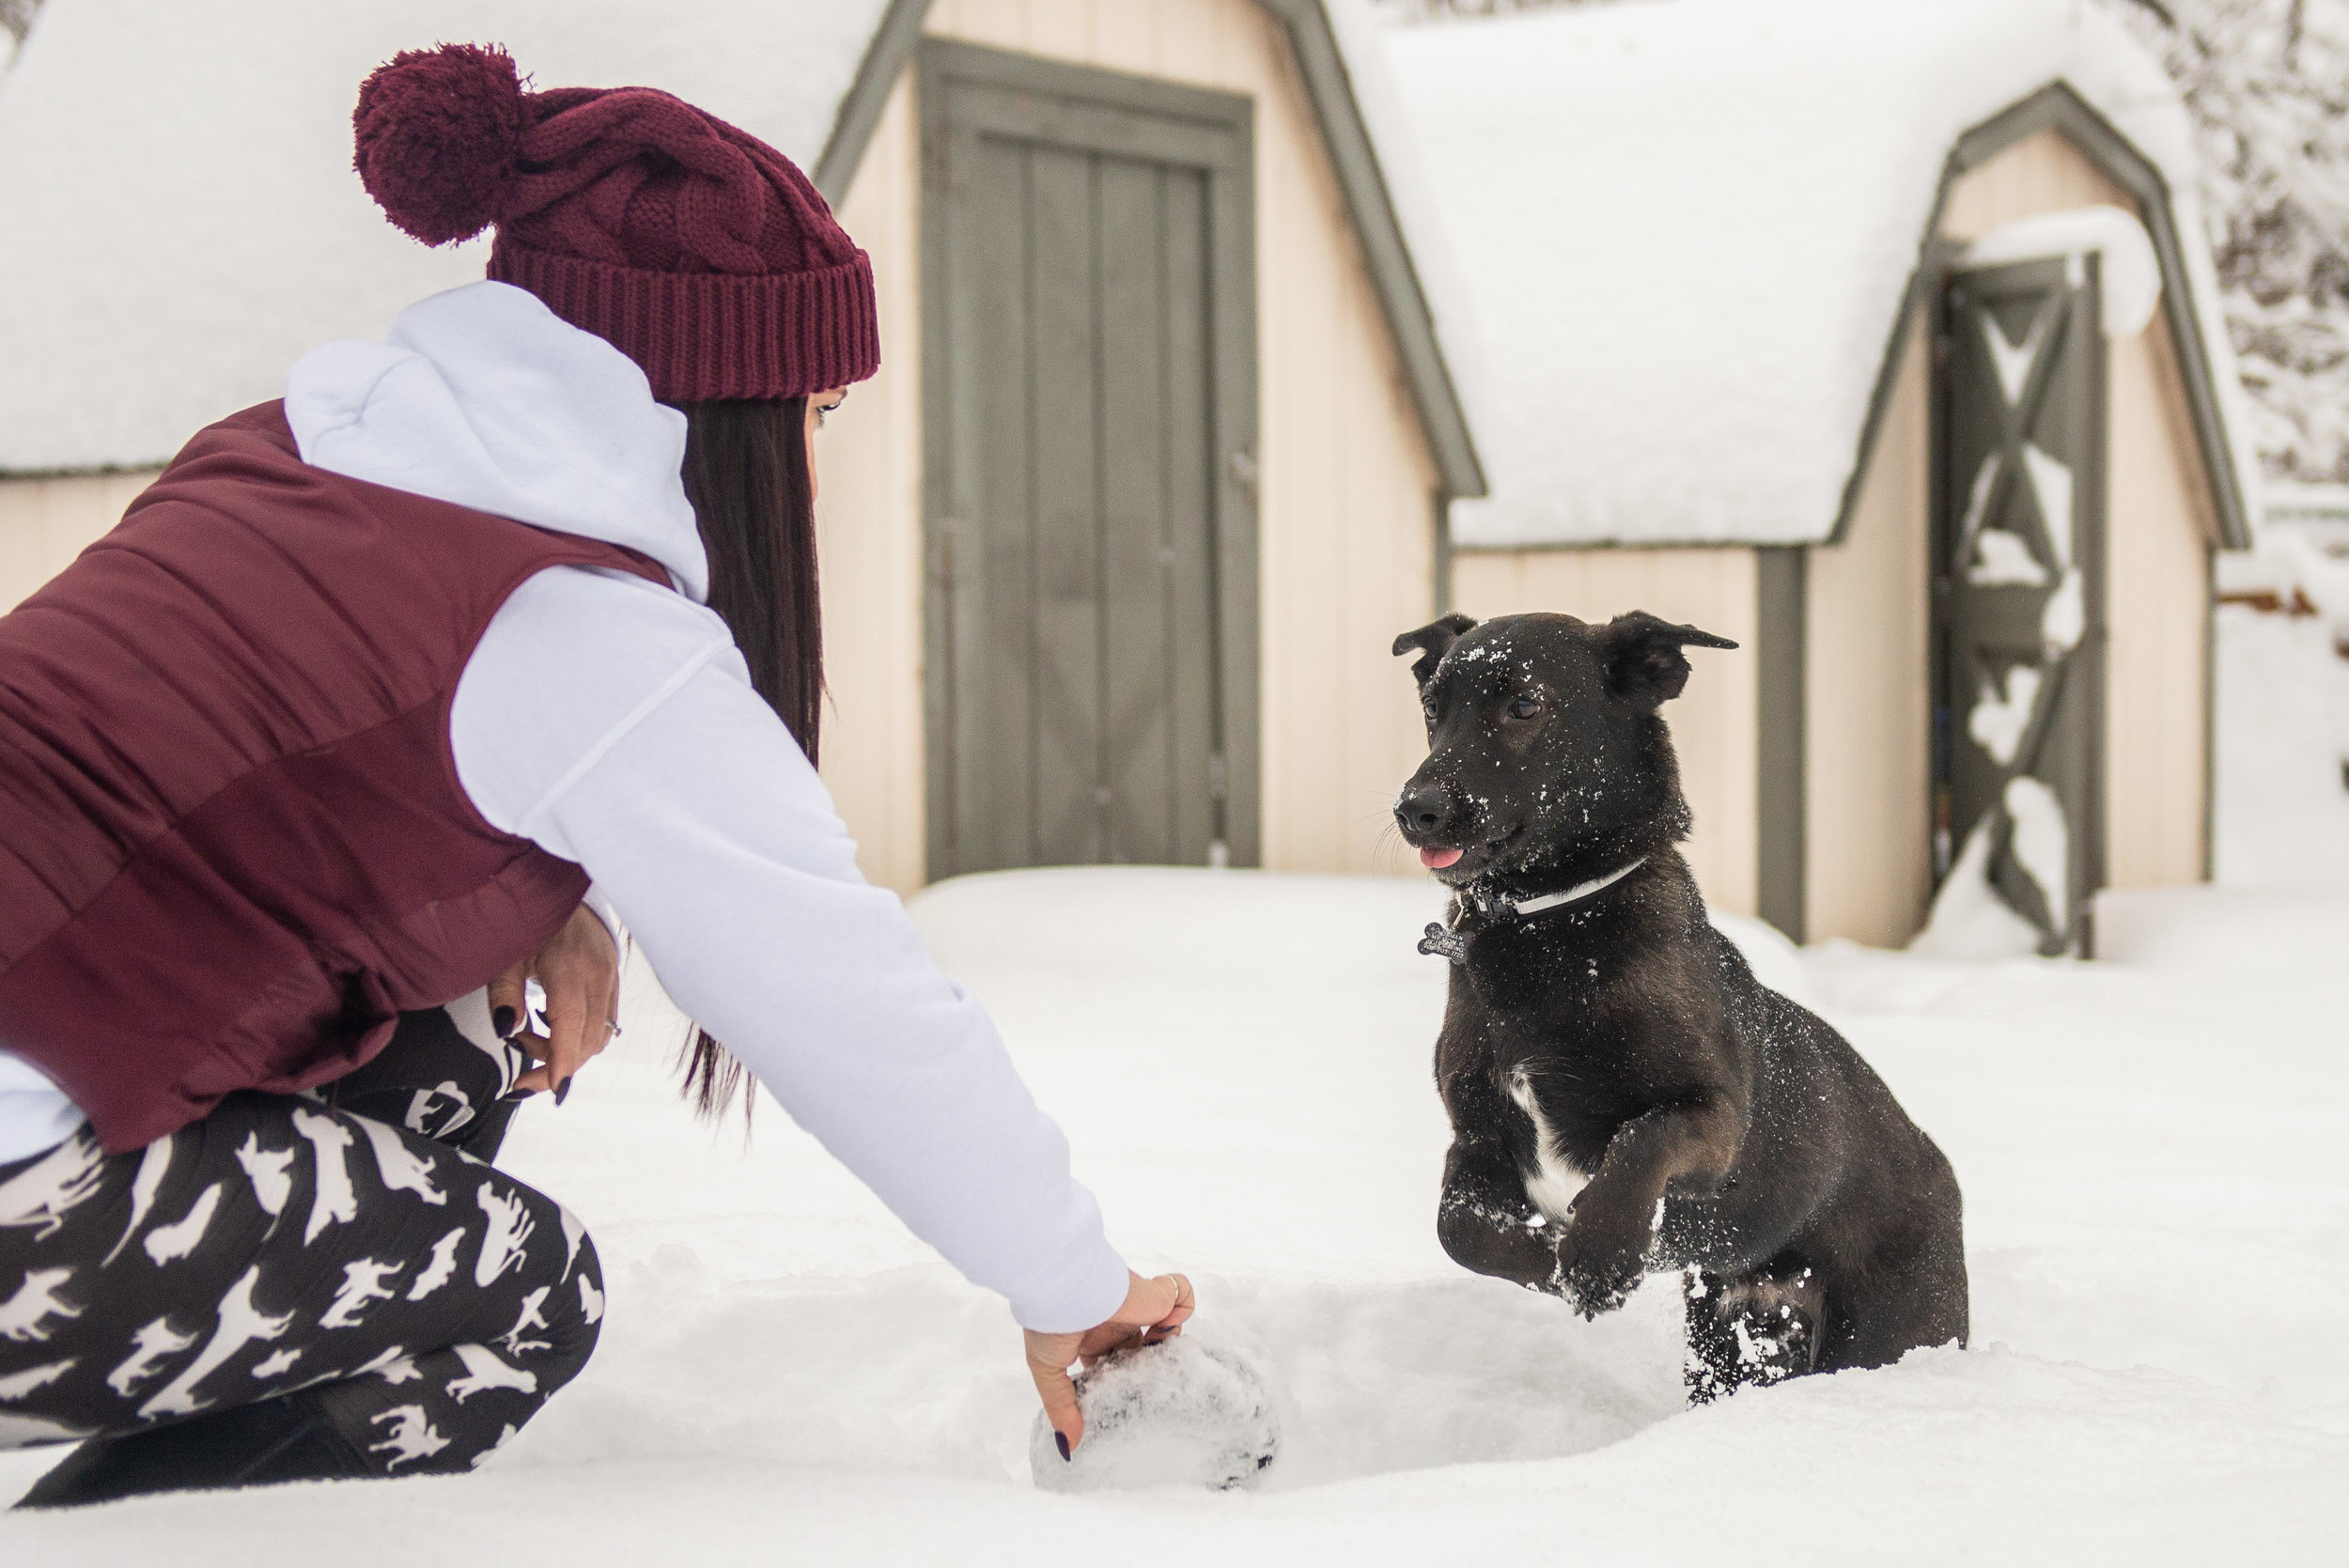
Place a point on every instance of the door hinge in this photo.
(1243, 467)
(1217, 788)
(949, 529)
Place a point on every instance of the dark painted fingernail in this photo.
(1062, 1439)
(562, 1090)
(503, 1021)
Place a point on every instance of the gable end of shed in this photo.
(2059, 108)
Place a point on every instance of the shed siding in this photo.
(1713, 720)
(2159, 532)
(868, 462)
(1347, 480)
(1867, 801)
(2042, 173)
(44, 523)
(2157, 584)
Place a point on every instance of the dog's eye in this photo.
(1526, 708)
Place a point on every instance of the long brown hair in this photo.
(747, 476)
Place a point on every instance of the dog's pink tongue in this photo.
(1436, 859)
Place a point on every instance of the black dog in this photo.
(1599, 1028)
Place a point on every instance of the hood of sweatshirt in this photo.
(485, 398)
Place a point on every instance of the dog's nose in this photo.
(1424, 809)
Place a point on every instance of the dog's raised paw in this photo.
(1591, 1297)
(1596, 1276)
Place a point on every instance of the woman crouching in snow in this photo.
(339, 724)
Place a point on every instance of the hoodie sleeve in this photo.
(612, 724)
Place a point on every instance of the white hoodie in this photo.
(612, 723)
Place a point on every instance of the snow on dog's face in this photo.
(1545, 747)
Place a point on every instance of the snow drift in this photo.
(2157, 1237)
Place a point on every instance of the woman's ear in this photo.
(1644, 665)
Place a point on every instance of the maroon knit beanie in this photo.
(700, 251)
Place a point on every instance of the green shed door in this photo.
(1090, 378)
(2018, 590)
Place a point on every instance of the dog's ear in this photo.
(1432, 642)
(1644, 665)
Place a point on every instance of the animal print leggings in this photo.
(284, 1243)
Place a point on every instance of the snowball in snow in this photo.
(1172, 1414)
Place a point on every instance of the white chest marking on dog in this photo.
(1552, 1183)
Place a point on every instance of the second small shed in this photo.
(1882, 340)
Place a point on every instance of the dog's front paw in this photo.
(1599, 1264)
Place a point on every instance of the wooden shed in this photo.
(1882, 339)
(1155, 465)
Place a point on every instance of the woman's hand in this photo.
(1155, 1309)
(579, 969)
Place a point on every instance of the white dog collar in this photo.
(1447, 941)
(1579, 891)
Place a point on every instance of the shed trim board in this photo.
(2058, 107)
(1400, 296)
(860, 114)
(2210, 716)
(1439, 520)
(1782, 623)
(1051, 104)
(1370, 206)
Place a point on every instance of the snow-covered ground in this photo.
(2155, 1150)
(2157, 1216)
(2284, 707)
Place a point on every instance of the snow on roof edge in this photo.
(1451, 312)
(166, 264)
(1582, 451)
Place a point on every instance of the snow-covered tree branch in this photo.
(16, 17)
(2268, 82)
(16, 20)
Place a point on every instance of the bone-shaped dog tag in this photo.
(1445, 942)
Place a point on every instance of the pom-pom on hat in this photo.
(695, 248)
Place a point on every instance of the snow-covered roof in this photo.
(182, 223)
(1685, 229)
(179, 219)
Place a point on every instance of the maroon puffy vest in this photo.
(232, 842)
